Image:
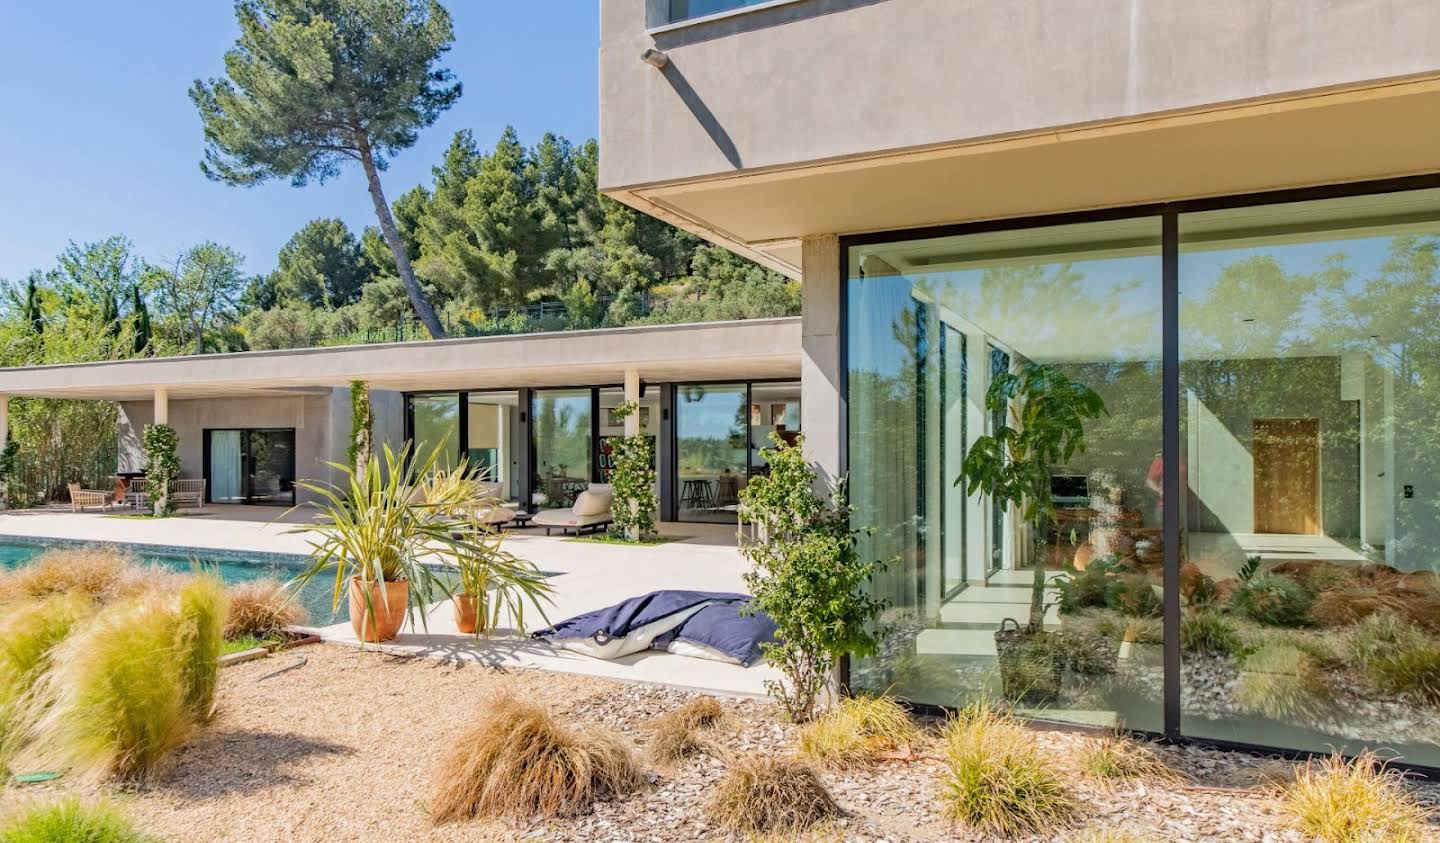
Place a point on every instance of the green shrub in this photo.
(1091, 654)
(117, 693)
(1210, 633)
(199, 637)
(1135, 596)
(995, 780)
(29, 633)
(1413, 670)
(1274, 600)
(808, 575)
(1283, 682)
(1119, 758)
(71, 821)
(1078, 590)
(1380, 635)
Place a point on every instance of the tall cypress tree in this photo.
(140, 321)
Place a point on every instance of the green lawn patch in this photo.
(246, 642)
(606, 538)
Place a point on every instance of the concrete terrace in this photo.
(585, 576)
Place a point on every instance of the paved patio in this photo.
(585, 576)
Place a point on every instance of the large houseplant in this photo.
(386, 544)
(1042, 415)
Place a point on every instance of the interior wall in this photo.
(1230, 395)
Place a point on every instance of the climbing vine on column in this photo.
(362, 420)
(634, 483)
(162, 465)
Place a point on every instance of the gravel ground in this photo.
(341, 749)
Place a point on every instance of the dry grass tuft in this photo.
(261, 608)
(1360, 801)
(1119, 758)
(770, 795)
(996, 781)
(682, 732)
(857, 731)
(100, 572)
(516, 761)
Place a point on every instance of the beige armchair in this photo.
(80, 498)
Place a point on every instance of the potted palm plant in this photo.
(494, 582)
(386, 545)
(1044, 416)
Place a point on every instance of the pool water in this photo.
(232, 567)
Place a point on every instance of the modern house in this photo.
(534, 410)
(1223, 218)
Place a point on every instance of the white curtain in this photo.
(225, 466)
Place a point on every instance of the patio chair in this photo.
(590, 512)
(80, 498)
(137, 493)
(188, 493)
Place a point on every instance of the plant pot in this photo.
(470, 617)
(389, 609)
(1030, 671)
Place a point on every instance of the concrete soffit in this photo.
(666, 200)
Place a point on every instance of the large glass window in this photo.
(686, 9)
(1310, 405)
(612, 427)
(435, 424)
(711, 434)
(563, 447)
(1060, 612)
(493, 438)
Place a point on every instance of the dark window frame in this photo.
(1168, 213)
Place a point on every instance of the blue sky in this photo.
(98, 135)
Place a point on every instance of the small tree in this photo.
(9, 464)
(161, 465)
(633, 482)
(313, 84)
(808, 577)
(362, 421)
(1045, 414)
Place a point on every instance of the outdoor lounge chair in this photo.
(80, 498)
(590, 512)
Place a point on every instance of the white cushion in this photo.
(591, 503)
(566, 518)
(485, 489)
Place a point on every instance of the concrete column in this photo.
(162, 406)
(632, 393)
(4, 420)
(822, 404)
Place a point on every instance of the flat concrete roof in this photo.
(749, 349)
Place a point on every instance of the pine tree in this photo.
(140, 322)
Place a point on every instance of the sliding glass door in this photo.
(251, 466)
(564, 444)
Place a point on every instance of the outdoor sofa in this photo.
(80, 498)
(591, 511)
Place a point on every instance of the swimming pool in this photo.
(234, 567)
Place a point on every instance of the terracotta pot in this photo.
(389, 610)
(468, 618)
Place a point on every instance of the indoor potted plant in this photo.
(383, 543)
(1044, 415)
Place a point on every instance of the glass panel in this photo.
(272, 466)
(1310, 377)
(436, 424)
(225, 468)
(711, 428)
(562, 445)
(686, 9)
(933, 324)
(612, 427)
(493, 438)
(774, 408)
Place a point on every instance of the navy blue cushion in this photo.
(723, 628)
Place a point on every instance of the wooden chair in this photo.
(188, 493)
(82, 498)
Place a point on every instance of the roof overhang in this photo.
(1376, 131)
(751, 349)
